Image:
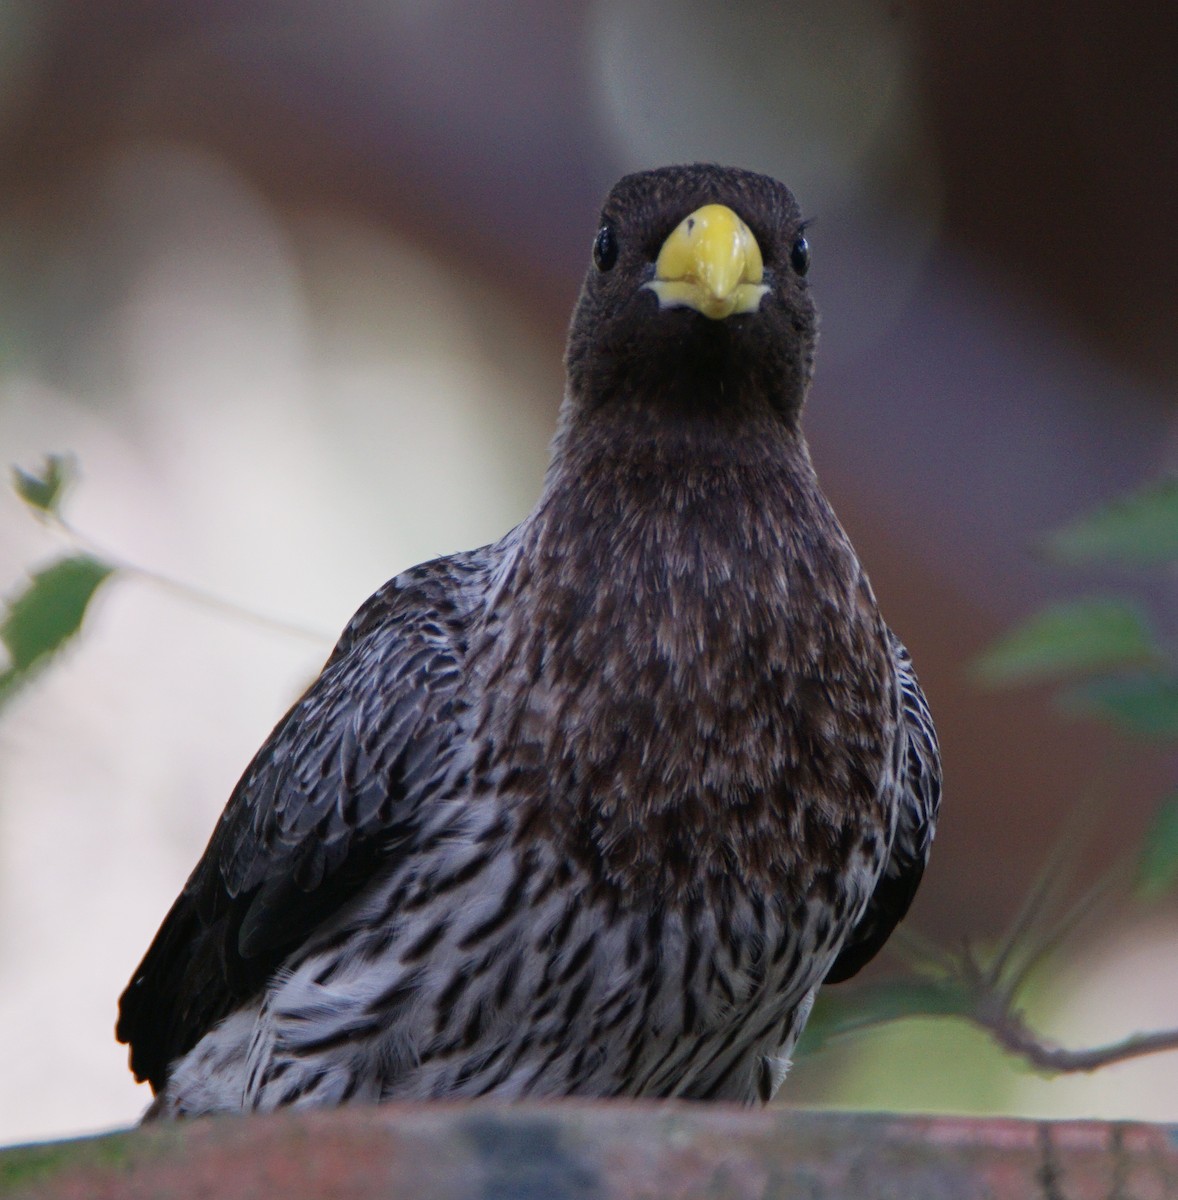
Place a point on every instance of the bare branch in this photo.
(1010, 1031)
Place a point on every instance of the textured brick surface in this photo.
(576, 1151)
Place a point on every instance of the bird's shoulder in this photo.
(349, 752)
(330, 797)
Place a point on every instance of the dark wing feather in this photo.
(919, 800)
(334, 792)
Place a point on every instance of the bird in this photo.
(596, 809)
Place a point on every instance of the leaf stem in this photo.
(186, 591)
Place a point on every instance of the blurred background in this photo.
(292, 279)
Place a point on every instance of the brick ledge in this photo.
(573, 1150)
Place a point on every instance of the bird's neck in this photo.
(632, 492)
(666, 560)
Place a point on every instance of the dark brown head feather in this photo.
(758, 361)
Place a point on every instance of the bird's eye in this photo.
(799, 255)
(605, 248)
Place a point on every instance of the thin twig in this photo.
(1010, 1031)
(1064, 925)
(220, 604)
(920, 952)
(187, 591)
(1051, 878)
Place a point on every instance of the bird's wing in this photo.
(919, 801)
(333, 794)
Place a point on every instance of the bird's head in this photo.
(696, 297)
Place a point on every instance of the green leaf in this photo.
(839, 1013)
(43, 490)
(1074, 637)
(43, 617)
(1141, 528)
(1145, 704)
(1157, 868)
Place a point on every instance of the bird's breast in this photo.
(711, 702)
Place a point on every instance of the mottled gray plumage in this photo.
(595, 809)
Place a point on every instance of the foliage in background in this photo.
(1107, 660)
(1103, 652)
(45, 613)
(41, 617)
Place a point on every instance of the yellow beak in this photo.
(712, 263)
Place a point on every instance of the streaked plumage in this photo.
(595, 809)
